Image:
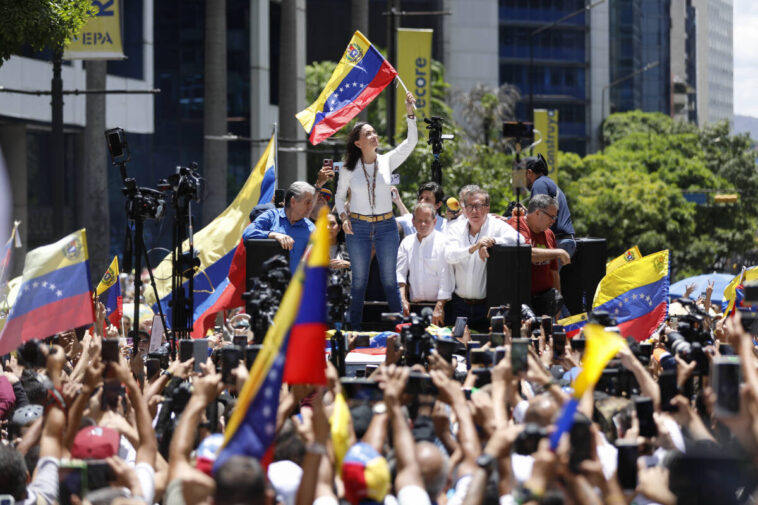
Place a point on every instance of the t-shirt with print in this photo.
(542, 275)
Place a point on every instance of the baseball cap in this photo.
(207, 452)
(95, 442)
(365, 474)
(285, 477)
(326, 192)
(26, 414)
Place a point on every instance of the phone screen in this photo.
(199, 352)
(278, 197)
(726, 382)
(109, 350)
(230, 359)
(497, 331)
(667, 384)
(581, 448)
(460, 326)
(644, 408)
(547, 325)
(251, 352)
(185, 350)
(72, 480)
(519, 353)
(627, 463)
(559, 344)
(153, 367)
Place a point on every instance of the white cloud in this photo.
(746, 57)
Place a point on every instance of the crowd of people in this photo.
(91, 416)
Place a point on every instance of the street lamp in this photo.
(544, 28)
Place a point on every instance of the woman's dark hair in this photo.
(341, 233)
(352, 153)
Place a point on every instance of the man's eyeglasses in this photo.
(552, 217)
(477, 207)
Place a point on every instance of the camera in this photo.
(690, 337)
(34, 353)
(527, 441)
(518, 130)
(417, 342)
(262, 302)
(338, 295)
(185, 182)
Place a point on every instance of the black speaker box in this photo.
(504, 274)
(579, 280)
(260, 250)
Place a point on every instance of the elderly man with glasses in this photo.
(466, 251)
(546, 283)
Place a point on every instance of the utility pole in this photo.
(57, 153)
(392, 24)
(359, 18)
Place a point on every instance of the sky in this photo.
(746, 57)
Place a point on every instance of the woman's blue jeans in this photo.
(384, 237)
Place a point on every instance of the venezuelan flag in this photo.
(629, 255)
(109, 293)
(572, 325)
(636, 295)
(252, 427)
(217, 245)
(600, 348)
(734, 293)
(55, 293)
(360, 76)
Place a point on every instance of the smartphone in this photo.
(362, 340)
(185, 350)
(278, 197)
(460, 327)
(627, 463)
(446, 347)
(536, 344)
(328, 163)
(480, 357)
(644, 408)
(251, 352)
(547, 325)
(496, 311)
(162, 358)
(483, 377)
(153, 367)
(479, 338)
(230, 359)
(109, 351)
(726, 383)
(420, 384)
(749, 321)
(337, 165)
(646, 350)
(578, 344)
(240, 341)
(581, 446)
(157, 332)
(559, 344)
(113, 391)
(72, 480)
(99, 474)
(497, 323)
(519, 353)
(667, 385)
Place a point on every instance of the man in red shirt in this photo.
(546, 283)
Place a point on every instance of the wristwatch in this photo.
(486, 462)
(167, 374)
(379, 408)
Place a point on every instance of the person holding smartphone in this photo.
(369, 222)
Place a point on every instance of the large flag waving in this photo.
(629, 255)
(734, 293)
(6, 257)
(252, 427)
(600, 348)
(216, 244)
(360, 76)
(55, 293)
(109, 292)
(636, 295)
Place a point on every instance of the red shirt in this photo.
(542, 273)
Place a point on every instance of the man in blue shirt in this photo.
(288, 226)
(430, 193)
(540, 184)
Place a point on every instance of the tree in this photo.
(484, 108)
(40, 23)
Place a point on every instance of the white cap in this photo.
(285, 477)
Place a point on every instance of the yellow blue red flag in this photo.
(109, 293)
(55, 293)
(636, 295)
(252, 427)
(572, 325)
(360, 76)
(734, 293)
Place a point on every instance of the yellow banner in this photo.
(414, 66)
(100, 39)
(546, 121)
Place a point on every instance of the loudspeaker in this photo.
(504, 273)
(260, 250)
(579, 280)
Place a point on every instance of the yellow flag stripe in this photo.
(70, 250)
(634, 274)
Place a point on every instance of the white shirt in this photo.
(469, 270)
(406, 222)
(359, 185)
(422, 266)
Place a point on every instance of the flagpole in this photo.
(276, 155)
(404, 87)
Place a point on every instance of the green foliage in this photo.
(40, 23)
(632, 193)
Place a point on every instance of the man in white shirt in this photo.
(466, 251)
(422, 267)
(430, 193)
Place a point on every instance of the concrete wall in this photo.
(599, 72)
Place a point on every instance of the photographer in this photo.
(289, 226)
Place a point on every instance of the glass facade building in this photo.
(552, 66)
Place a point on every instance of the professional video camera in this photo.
(434, 125)
(175, 398)
(338, 295)
(691, 337)
(418, 344)
(185, 183)
(263, 300)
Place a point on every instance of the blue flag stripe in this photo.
(52, 287)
